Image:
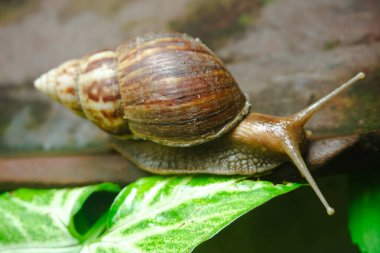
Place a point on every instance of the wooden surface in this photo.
(328, 155)
(66, 171)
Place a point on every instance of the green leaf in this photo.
(175, 214)
(364, 212)
(42, 220)
(155, 214)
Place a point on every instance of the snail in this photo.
(176, 109)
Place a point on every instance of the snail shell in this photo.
(167, 88)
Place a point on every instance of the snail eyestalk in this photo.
(293, 151)
(303, 116)
(291, 147)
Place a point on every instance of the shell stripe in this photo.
(175, 90)
(134, 61)
(176, 115)
(61, 84)
(178, 84)
(135, 46)
(99, 92)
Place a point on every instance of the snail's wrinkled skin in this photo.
(177, 109)
(235, 153)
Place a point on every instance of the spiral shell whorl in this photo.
(99, 92)
(90, 88)
(167, 88)
(61, 84)
(176, 92)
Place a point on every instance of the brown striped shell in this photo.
(167, 88)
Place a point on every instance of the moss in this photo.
(106, 8)
(129, 26)
(365, 112)
(331, 44)
(266, 2)
(245, 19)
(14, 10)
(215, 22)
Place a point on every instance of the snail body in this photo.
(231, 154)
(177, 110)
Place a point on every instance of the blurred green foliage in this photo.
(364, 212)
